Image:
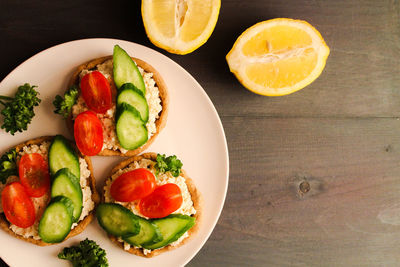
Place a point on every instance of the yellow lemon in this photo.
(179, 26)
(278, 57)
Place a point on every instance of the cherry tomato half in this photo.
(96, 91)
(34, 174)
(88, 133)
(17, 205)
(162, 202)
(133, 185)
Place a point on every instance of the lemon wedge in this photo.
(278, 57)
(179, 26)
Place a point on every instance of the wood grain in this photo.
(349, 216)
(338, 138)
(362, 71)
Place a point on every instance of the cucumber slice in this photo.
(66, 184)
(149, 233)
(131, 95)
(131, 130)
(125, 70)
(56, 220)
(62, 155)
(117, 220)
(171, 227)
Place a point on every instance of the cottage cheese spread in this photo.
(40, 203)
(110, 140)
(186, 208)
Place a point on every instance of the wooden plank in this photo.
(24, 34)
(360, 79)
(361, 74)
(347, 214)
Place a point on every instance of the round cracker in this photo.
(4, 223)
(163, 93)
(197, 203)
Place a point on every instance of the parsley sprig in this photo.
(8, 165)
(171, 164)
(18, 110)
(88, 253)
(64, 105)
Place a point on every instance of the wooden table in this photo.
(314, 176)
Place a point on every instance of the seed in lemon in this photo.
(278, 57)
(180, 26)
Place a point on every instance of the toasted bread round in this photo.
(197, 203)
(4, 223)
(160, 122)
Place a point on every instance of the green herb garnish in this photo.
(64, 105)
(171, 164)
(8, 165)
(87, 254)
(18, 111)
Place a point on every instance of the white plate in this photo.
(193, 132)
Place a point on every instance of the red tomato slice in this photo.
(162, 202)
(34, 174)
(88, 133)
(96, 91)
(17, 205)
(133, 185)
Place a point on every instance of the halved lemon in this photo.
(179, 26)
(278, 57)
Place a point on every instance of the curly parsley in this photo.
(171, 164)
(87, 254)
(18, 110)
(64, 105)
(8, 165)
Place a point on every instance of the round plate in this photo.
(193, 132)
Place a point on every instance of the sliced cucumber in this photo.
(131, 95)
(125, 70)
(117, 220)
(66, 184)
(56, 220)
(171, 228)
(131, 130)
(62, 155)
(149, 233)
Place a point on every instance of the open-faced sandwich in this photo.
(150, 205)
(115, 105)
(48, 191)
